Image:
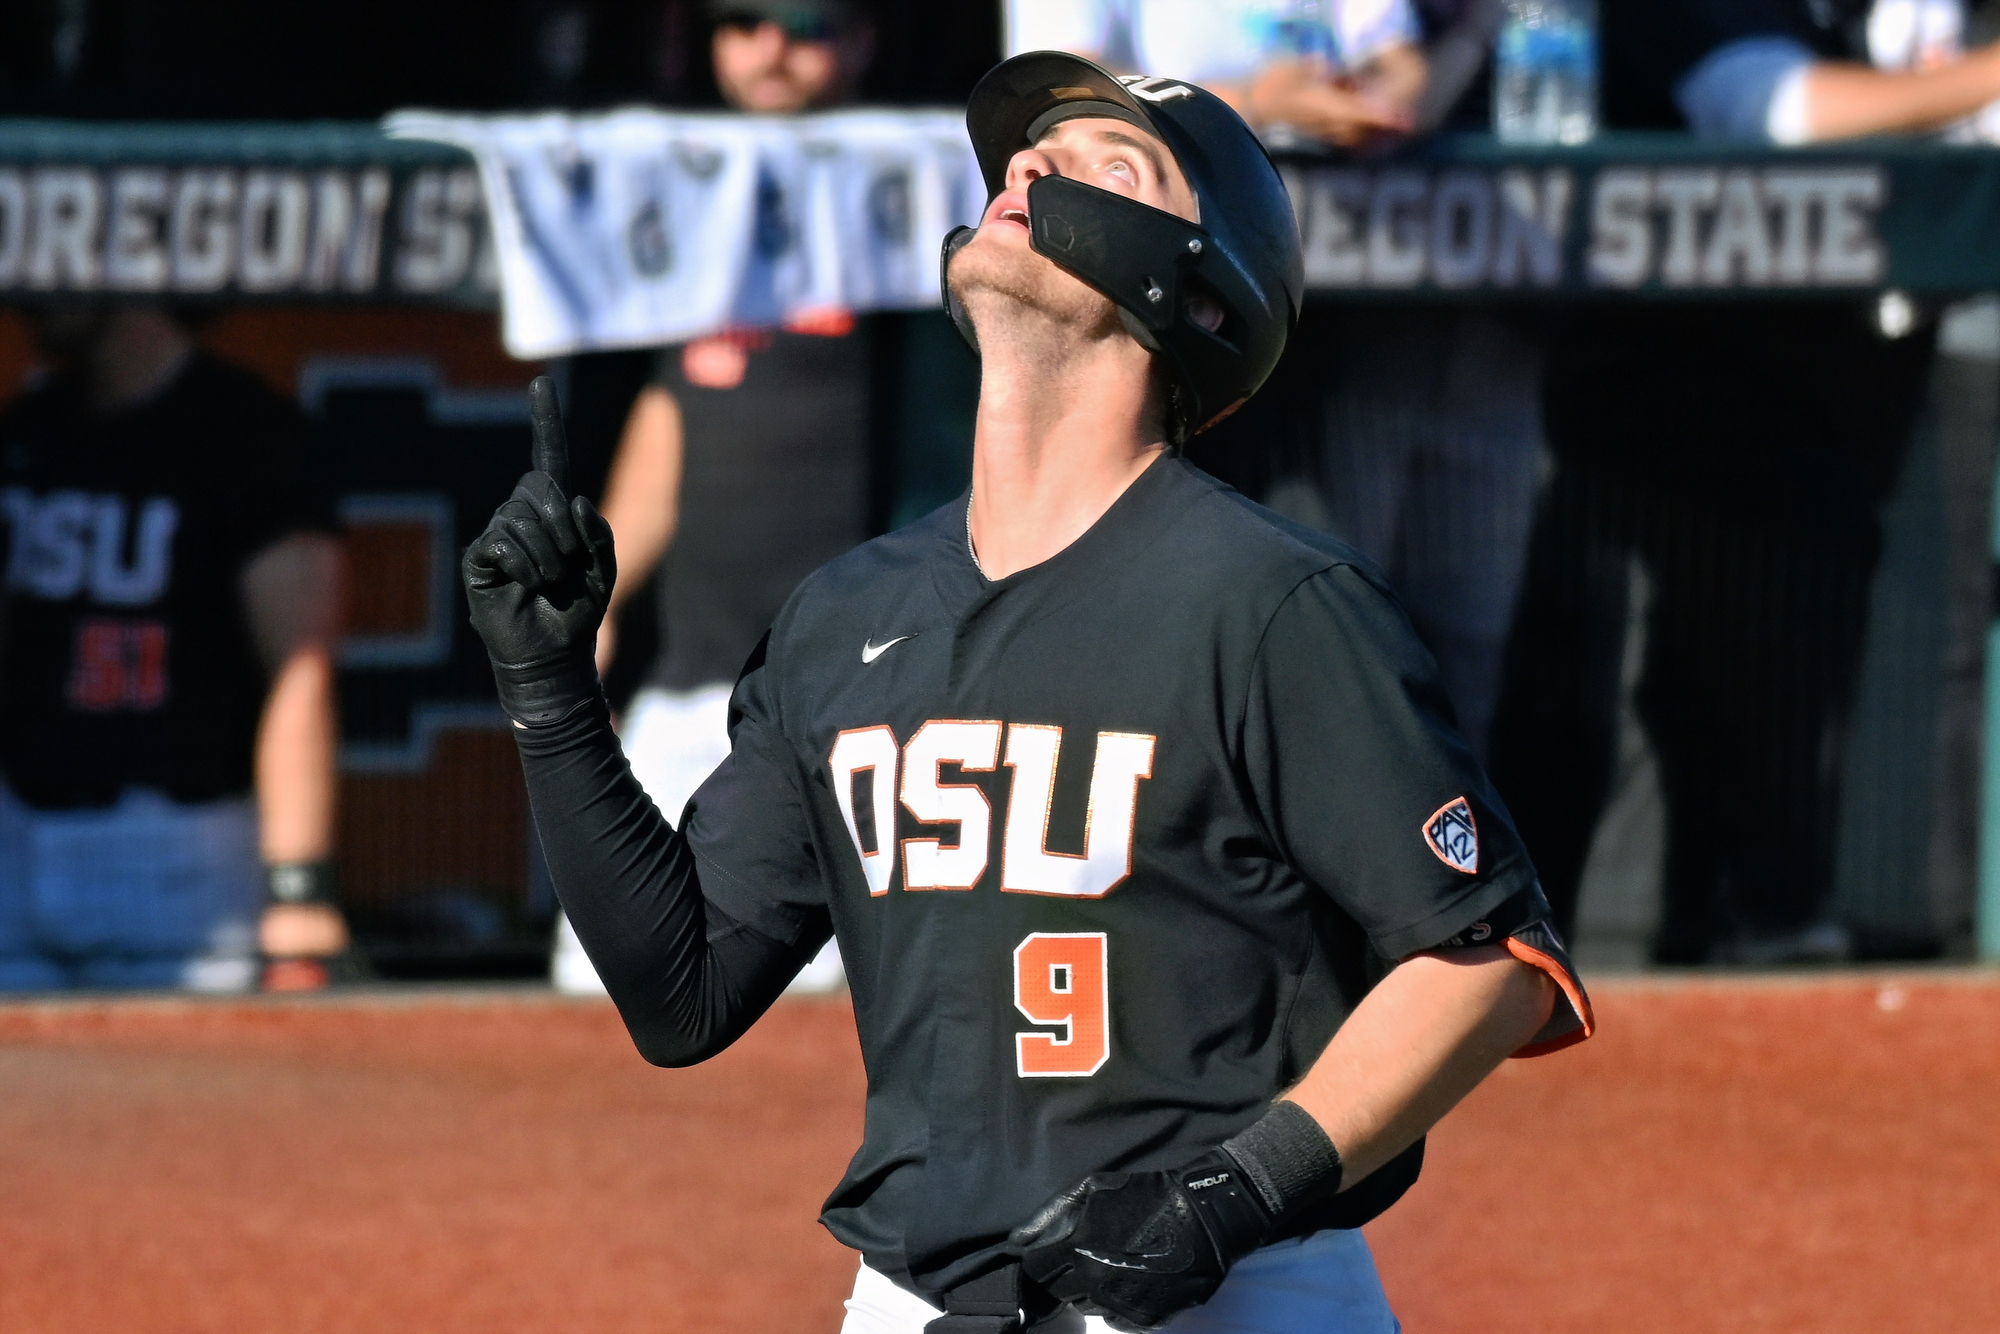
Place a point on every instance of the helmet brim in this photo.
(1019, 92)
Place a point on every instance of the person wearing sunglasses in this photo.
(744, 462)
(788, 55)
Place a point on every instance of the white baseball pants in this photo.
(1322, 1284)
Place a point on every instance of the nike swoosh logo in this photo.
(870, 650)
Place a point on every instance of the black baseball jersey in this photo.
(1108, 845)
(123, 639)
(774, 483)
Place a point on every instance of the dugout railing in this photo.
(357, 271)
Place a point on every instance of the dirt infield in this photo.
(1799, 1155)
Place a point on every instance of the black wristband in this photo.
(1288, 1158)
(537, 694)
(299, 882)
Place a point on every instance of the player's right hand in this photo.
(538, 581)
(1139, 1247)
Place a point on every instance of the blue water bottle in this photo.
(1545, 72)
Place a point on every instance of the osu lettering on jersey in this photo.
(1110, 846)
(125, 638)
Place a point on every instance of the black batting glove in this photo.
(538, 581)
(1140, 1247)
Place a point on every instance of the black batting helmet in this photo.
(1242, 255)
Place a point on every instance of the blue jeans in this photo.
(145, 893)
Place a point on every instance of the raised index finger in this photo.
(551, 454)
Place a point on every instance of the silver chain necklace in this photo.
(970, 549)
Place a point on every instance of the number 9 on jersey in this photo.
(1060, 982)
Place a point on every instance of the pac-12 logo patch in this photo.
(1453, 836)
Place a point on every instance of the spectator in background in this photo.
(745, 462)
(167, 629)
(1742, 452)
(1345, 72)
(1423, 443)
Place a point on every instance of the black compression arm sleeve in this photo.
(687, 978)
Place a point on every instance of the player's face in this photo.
(1109, 154)
(1099, 151)
(761, 65)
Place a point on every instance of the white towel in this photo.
(637, 228)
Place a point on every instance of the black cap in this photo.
(832, 14)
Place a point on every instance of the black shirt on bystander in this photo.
(125, 650)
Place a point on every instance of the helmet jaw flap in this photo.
(1132, 252)
(955, 240)
(1154, 266)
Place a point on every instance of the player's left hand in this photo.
(1139, 1247)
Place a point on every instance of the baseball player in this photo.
(1116, 790)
